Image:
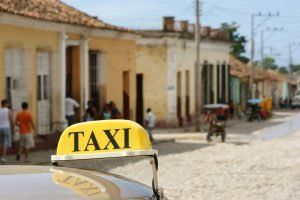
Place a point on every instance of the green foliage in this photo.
(295, 68)
(239, 42)
(283, 70)
(269, 63)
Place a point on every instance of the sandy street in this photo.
(243, 168)
(259, 170)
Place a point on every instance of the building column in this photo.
(215, 81)
(226, 83)
(84, 58)
(62, 69)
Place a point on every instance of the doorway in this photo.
(69, 70)
(126, 92)
(139, 99)
(94, 78)
(187, 96)
(179, 103)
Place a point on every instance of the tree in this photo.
(295, 68)
(283, 70)
(239, 42)
(269, 63)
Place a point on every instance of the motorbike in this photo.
(217, 121)
(253, 110)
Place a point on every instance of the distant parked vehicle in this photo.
(253, 110)
(296, 100)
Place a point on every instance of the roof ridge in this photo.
(55, 11)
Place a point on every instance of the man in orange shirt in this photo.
(27, 130)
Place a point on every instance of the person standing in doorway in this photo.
(150, 122)
(71, 105)
(6, 129)
(27, 131)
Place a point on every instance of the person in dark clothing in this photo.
(90, 112)
(115, 113)
(231, 108)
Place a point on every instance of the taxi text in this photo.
(92, 141)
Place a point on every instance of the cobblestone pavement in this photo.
(189, 168)
(259, 170)
(238, 132)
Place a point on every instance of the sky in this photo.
(280, 31)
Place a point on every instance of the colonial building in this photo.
(266, 83)
(239, 81)
(166, 71)
(49, 49)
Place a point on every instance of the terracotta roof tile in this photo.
(55, 11)
(240, 69)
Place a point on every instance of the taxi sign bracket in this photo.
(154, 163)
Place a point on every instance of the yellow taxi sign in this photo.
(103, 139)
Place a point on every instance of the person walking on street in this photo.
(6, 129)
(71, 105)
(231, 108)
(150, 122)
(27, 131)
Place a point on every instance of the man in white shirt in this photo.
(150, 122)
(70, 105)
(6, 129)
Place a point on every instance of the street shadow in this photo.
(238, 143)
(178, 147)
(165, 148)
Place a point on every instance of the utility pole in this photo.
(263, 39)
(251, 57)
(290, 60)
(262, 47)
(198, 69)
(262, 58)
(290, 68)
(251, 85)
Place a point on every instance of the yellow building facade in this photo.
(42, 60)
(166, 61)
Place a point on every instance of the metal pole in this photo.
(262, 47)
(198, 75)
(251, 57)
(262, 58)
(290, 68)
(252, 86)
(290, 60)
